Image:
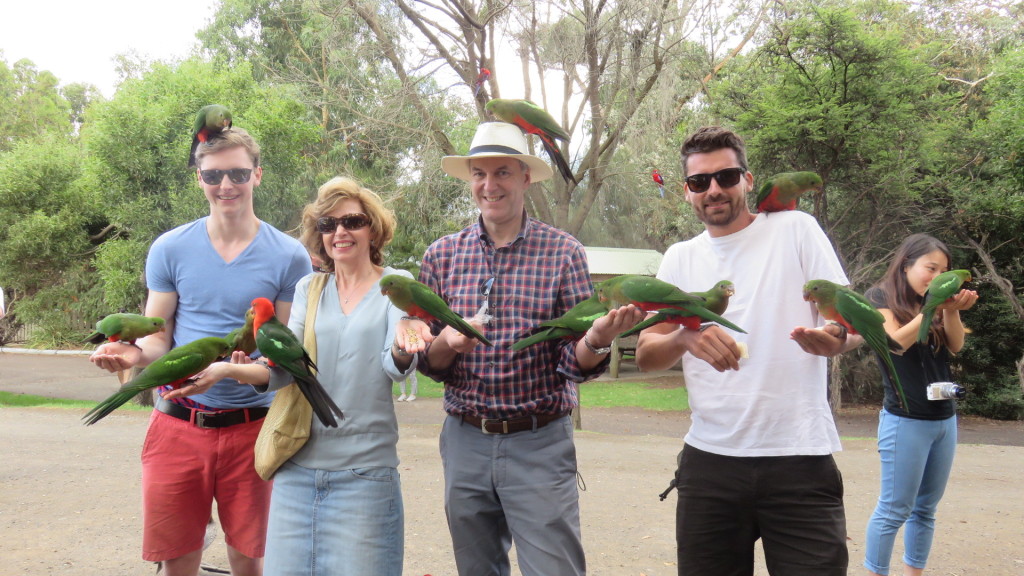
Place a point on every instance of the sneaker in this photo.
(401, 398)
(410, 398)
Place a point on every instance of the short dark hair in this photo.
(710, 139)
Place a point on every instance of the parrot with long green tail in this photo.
(651, 295)
(854, 312)
(243, 338)
(280, 345)
(533, 119)
(716, 300)
(941, 288)
(125, 327)
(210, 121)
(417, 299)
(574, 323)
(172, 369)
(781, 192)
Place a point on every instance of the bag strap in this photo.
(316, 287)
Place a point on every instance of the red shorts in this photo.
(184, 469)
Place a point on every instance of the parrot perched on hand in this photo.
(210, 122)
(575, 322)
(417, 299)
(854, 312)
(716, 300)
(479, 82)
(280, 345)
(941, 288)
(656, 176)
(781, 192)
(173, 368)
(534, 120)
(125, 328)
(651, 294)
(244, 337)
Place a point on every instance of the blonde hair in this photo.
(339, 189)
(228, 139)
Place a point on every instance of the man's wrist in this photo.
(596, 350)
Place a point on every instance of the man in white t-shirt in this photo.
(757, 460)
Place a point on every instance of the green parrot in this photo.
(174, 368)
(716, 300)
(576, 321)
(853, 311)
(534, 120)
(280, 345)
(941, 288)
(651, 294)
(125, 328)
(210, 121)
(417, 299)
(781, 192)
(244, 337)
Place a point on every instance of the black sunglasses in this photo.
(726, 179)
(236, 175)
(329, 224)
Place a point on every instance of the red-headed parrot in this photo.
(535, 120)
(575, 322)
(853, 311)
(656, 176)
(173, 368)
(244, 337)
(941, 288)
(125, 328)
(781, 192)
(278, 343)
(651, 294)
(479, 82)
(417, 299)
(716, 300)
(210, 121)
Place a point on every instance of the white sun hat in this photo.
(497, 139)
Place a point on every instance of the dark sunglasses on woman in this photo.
(329, 224)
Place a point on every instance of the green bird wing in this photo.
(510, 110)
(277, 342)
(426, 300)
(870, 324)
(941, 288)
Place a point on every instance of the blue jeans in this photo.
(337, 523)
(917, 456)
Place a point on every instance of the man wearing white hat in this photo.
(507, 443)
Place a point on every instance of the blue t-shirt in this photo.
(213, 295)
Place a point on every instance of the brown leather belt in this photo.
(203, 419)
(510, 425)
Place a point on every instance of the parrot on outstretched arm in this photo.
(243, 338)
(125, 328)
(941, 288)
(417, 299)
(854, 312)
(172, 369)
(716, 300)
(656, 176)
(575, 322)
(534, 120)
(781, 192)
(652, 295)
(280, 345)
(210, 121)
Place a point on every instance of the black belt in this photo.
(510, 425)
(203, 419)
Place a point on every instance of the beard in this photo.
(721, 215)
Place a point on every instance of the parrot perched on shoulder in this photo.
(656, 176)
(716, 300)
(575, 322)
(125, 328)
(243, 338)
(417, 299)
(781, 192)
(173, 368)
(210, 121)
(941, 288)
(534, 120)
(854, 312)
(651, 294)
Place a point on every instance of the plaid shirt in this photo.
(539, 276)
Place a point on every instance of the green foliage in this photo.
(31, 103)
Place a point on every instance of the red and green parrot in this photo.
(656, 176)
(210, 121)
(417, 299)
(781, 192)
(571, 325)
(853, 311)
(125, 328)
(716, 300)
(174, 368)
(941, 288)
(478, 84)
(243, 338)
(652, 295)
(280, 345)
(535, 120)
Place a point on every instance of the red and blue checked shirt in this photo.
(539, 276)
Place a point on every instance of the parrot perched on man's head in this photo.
(575, 322)
(651, 294)
(173, 368)
(941, 288)
(125, 328)
(210, 121)
(854, 312)
(534, 120)
(781, 192)
(716, 301)
(279, 344)
(417, 299)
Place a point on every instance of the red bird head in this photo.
(263, 310)
(657, 177)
